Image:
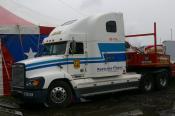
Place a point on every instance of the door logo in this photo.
(76, 64)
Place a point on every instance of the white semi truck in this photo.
(82, 58)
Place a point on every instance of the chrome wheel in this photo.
(163, 82)
(148, 86)
(147, 83)
(58, 95)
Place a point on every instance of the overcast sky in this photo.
(139, 15)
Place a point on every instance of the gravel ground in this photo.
(128, 103)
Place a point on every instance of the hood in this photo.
(41, 62)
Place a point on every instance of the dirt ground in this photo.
(128, 103)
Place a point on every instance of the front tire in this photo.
(59, 94)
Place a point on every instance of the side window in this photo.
(79, 48)
(111, 26)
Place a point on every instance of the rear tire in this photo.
(147, 83)
(162, 80)
(59, 94)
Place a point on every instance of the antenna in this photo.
(171, 33)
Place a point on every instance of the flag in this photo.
(22, 43)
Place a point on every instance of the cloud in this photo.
(91, 3)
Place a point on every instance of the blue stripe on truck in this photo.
(66, 63)
(105, 57)
(111, 47)
(115, 57)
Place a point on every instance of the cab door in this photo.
(76, 59)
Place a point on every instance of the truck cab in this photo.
(81, 58)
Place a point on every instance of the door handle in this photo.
(81, 70)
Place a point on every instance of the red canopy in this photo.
(7, 18)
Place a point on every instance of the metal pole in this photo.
(155, 37)
(39, 37)
(171, 33)
(139, 35)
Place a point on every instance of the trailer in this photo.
(155, 61)
(87, 57)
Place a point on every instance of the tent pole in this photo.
(3, 60)
(20, 39)
(39, 37)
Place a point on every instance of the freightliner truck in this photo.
(83, 58)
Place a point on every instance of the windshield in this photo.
(55, 48)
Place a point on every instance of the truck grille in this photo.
(18, 75)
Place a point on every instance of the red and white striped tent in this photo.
(18, 37)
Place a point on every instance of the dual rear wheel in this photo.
(149, 82)
(162, 80)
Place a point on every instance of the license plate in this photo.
(28, 94)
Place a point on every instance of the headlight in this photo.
(35, 83)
